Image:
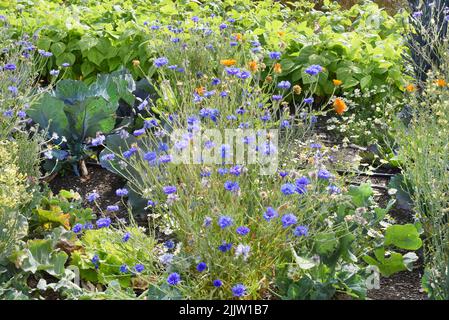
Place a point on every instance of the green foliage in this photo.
(400, 236)
(64, 209)
(113, 252)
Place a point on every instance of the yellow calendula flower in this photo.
(238, 37)
(441, 83)
(228, 62)
(281, 33)
(339, 106)
(252, 65)
(410, 88)
(277, 68)
(200, 90)
(337, 82)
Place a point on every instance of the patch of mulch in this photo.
(101, 180)
(404, 285)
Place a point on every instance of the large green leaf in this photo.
(40, 256)
(49, 112)
(69, 91)
(361, 194)
(90, 116)
(403, 236)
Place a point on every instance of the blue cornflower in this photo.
(91, 197)
(169, 244)
(207, 221)
(88, 226)
(224, 247)
(244, 74)
(270, 214)
(285, 85)
(195, 19)
(324, 174)
(223, 26)
(301, 231)
(285, 124)
(232, 186)
(162, 147)
(169, 189)
(150, 123)
(165, 158)
(276, 97)
(236, 170)
(139, 267)
(173, 279)
(103, 222)
(121, 192)
(160, 62)
(288, 189)
(123, 268)
(333, 189)
(112, 208)
(201, 266)
(150, 156)
(139, 132)
(13, 89)
(126, 237)
(98, 140)
(8, 113)
(417, 14)
(313, 70)
(302, 181)
(283, 174)
(242, 230)
(239, 290)
(217, 283)
(54, 72)
(95, 260)
(128, 153)
(288, 219)
(10, 67)
(232, 71)
(216, 81)
(274, 55)
(65, 65)
(77, 228)
(308, 100)
(225, 221)
(222, 171)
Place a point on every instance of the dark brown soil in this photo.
(400, 286)
(101, 180)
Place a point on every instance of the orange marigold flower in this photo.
(277, 68)
(441, 82)
(252, 65)
(337, 82)
(269, 79)
(136, 63)
(200, 90)
(228, 62)
(281, 33)
(410, 88)
(238, 36)
(339, 106)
